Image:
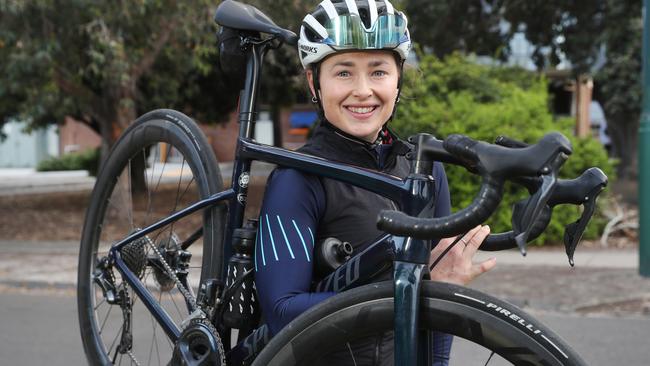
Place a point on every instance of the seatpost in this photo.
(411, 259)
(256, 50)
(248, 95)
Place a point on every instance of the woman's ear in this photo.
(310, 79)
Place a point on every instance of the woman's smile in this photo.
(361, 112)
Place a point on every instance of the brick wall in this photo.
(77, 136)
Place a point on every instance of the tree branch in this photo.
(62, 79)
(147, 61)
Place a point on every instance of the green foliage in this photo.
(85, 160)
(601, 38)
(459, 96)
(106, 62)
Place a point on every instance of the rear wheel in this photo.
(487, 331)
(161, 164)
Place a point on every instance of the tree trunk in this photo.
(277, 125)
(624, 133)
(106, 133)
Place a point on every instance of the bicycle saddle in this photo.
(233, 14)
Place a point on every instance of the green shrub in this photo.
(85, 160)
(456, 95)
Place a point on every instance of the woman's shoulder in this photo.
(291, 181)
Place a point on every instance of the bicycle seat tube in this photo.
(411, 259)
(255, 50)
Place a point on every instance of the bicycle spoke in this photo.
(153, 339)
(119, 331)
(489, 358)
(100, 303)
(178, 189)
(175, 305)
(130, 195)
(101, 329)
(351, 353)
(153, 170)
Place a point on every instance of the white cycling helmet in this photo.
(338, 25)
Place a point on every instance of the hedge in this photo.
(85, 160)
(457, 95)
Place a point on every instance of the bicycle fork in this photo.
(411, 262)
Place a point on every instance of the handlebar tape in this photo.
(484, 204)
(503, 241)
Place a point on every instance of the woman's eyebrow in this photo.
(372, 63)
(344, 63)
(375, 63)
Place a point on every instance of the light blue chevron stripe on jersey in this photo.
(286, 240)
(262, 241)
(313, 243)
(302, 240)
(268, 227)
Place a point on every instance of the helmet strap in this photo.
(399, 91)
(316, 97)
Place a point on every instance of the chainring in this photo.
(200, 345)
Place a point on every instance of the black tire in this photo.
(178, 168)
(490, 324)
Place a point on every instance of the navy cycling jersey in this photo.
(292, 206)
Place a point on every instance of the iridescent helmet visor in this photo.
(348, 32)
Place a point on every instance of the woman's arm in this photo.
(293, 204)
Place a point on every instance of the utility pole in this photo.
(644, 154)
(583, 92)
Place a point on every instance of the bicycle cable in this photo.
(444, 252)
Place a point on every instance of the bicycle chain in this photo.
(190, 299)
(133, 358)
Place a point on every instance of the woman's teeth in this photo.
(361, 109)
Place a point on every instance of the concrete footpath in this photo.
(15, 181)
(603, 281)
(25, 181)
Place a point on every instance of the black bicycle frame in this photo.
(415, 195)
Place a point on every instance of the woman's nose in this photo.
(362, 88)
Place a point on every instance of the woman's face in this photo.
(358, 91)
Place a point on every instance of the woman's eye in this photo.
(343, 74)
(379, 73)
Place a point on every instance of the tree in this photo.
(444, 27)
(105, 63)
(576, 30)
(620, 80)
(581, 31)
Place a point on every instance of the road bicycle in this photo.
(165, 268)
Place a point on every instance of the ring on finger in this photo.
(464, 241)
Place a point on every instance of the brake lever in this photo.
(531, 211)
(573, 232)
(526, 212)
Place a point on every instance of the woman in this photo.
(353, 53)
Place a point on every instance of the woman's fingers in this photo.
(474, 240)
(482, 267)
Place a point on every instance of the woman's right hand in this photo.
(457, 266)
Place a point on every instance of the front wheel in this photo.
(487, 331)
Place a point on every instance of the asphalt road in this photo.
(40, 327)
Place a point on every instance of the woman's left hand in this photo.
(457, 266)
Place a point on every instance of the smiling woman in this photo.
(353, 53)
